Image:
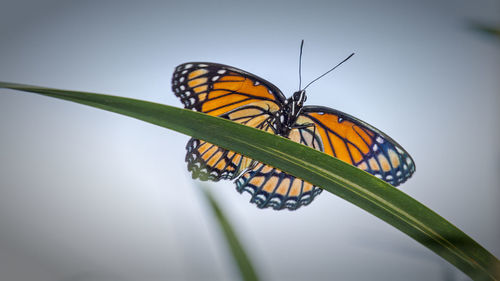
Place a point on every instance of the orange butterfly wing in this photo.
(228, 92)
(358, 143)
(210, 162)
(339, 135)
(217, 89)
(271, 187)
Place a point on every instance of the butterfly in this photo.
(237, 95)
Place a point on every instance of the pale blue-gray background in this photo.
(91, 195)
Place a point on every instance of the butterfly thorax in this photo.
(286, 118)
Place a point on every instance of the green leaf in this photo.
(244, 264)
(354, 185)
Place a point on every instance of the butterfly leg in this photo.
(304, 126)
(270, 122)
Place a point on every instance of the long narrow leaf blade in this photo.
(354, 185)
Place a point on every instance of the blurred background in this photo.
(90, 195)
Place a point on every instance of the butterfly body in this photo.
(242, 97)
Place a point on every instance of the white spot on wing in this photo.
(260, 197)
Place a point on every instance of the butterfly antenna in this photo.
(300, 64)
(329, 70)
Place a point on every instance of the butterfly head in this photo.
(299, 97)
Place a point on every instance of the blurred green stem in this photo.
(244, 264)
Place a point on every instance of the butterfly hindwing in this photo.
(271, 187)
(360, 144)
(210, 162)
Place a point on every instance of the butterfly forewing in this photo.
(216, 89)
(360, 144)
